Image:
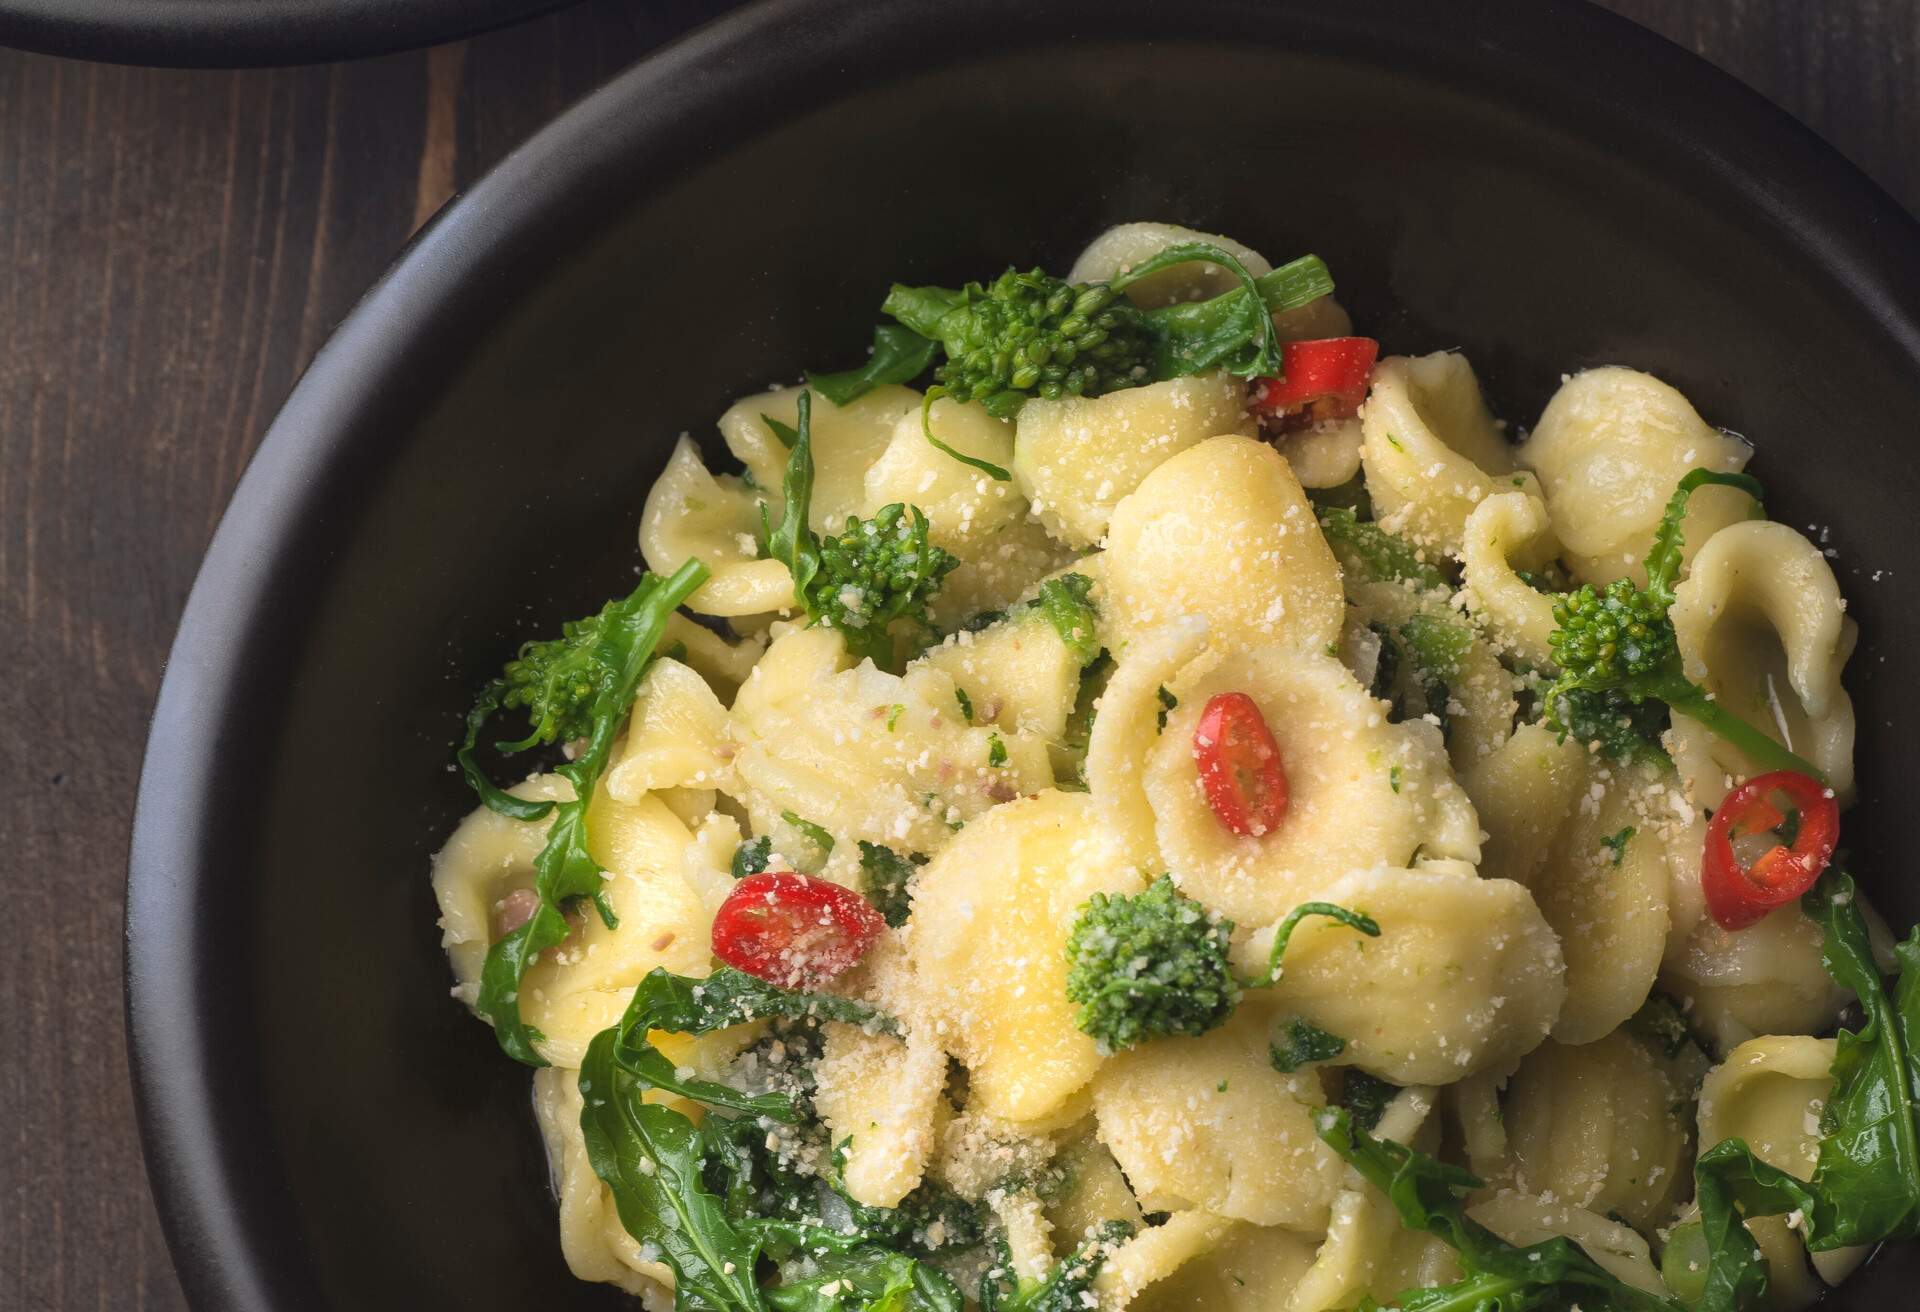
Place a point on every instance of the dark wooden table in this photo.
(174, 246)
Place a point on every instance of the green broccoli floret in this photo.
(1620, 666)
(1371, 552)
(577, 686)
(1030, 334)
(1156, 964)
(878, 571)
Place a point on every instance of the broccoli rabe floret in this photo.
(558, 681)
(1031, 334)
(878, 571)
(1620, 666)
(1147, 966)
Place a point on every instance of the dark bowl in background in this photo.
(464, 464)
(241, 33)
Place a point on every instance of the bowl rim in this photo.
(1814, 198)
(247, 33)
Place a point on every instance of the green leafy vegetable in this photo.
(1067, 1288)
(887, 874)
(1617, 844)
(1437, 646)
(1079, 728)
(1366, 1097)
(685, 1188)
(1436, 651)
(996, 751)
(1662, 1025)
(1030, 334)
(987, 467)
(870, 1279)
(965, 703)
(1300, 1043)
(1067, 603)
(1354, 920)
(1552, 1276)
(900, 355)
(789, 435)
(1168, 704)
(1371, 551)
(1618, 656)
(752, 856)
(1865, 1186)
(817, 835)
(1233, 331)
(1027, 334)
(1223, 332)
(578, 686)
(878, 571)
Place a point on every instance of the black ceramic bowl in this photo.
(464, 464)
(231, 33)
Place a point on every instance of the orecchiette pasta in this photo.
(1523, 792)
(1248, 1268)
(1432, 450)
(1019, 673)
(484, 860)
(1505, 533)
(829, 745)
(1229, 498)
(595, 1244)
(1609, 448)
(1362, 792)
(877, 1095)
(579, 988)
(998, 901)
(846, 440)
(692, 515)
(1465, 976)
(1765, 979)
(1769, 1093)
(1603, 888)
(1179, 1114)
(677, 737)
(1126, 245)
(1075, 458)
(1630, 1157)
(1762, 626)
(1145, 825)
(1523, 1219)
(1325, 455)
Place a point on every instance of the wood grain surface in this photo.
(174, 246)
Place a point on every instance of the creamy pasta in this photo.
(1131, 799)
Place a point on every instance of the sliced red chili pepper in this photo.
(1240, 767)
(1322, 379)
(1740, 893)
(793, 930)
